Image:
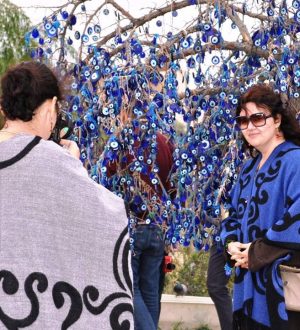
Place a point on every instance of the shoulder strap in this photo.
(21, 154)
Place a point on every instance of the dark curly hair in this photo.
(25, 87)
(264, 96)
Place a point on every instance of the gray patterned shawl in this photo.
(64, 251)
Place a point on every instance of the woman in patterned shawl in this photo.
(64, 249)
(262, 230)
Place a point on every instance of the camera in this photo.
(63, 128)
(168, 266)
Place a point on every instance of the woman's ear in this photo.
(277, 120)
(53, 105)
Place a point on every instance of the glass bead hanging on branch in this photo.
(179, 68)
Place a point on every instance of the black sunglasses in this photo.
(257, 120)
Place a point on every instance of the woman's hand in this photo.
(240, 254)
(71, 146)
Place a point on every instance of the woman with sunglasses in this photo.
(64, 256)
(262, 230)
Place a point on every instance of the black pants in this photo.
(217, 287)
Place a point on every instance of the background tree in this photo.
(186, 59)
(13, 26)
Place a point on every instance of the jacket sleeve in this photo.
(285, 230)
(262, 254)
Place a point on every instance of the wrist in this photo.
(227, 246)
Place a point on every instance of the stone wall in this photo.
(191, 312)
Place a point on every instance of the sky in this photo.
(134, 7)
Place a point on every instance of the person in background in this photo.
(217, 281)
(262, 229)
(148, 235)
(62, 258)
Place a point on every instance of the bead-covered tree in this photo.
(177, 62)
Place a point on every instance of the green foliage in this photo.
(191, 270)
(203, 327)
(180, 326)
(13, 26)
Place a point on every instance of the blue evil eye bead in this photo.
(296, 95)
(114, 145)
(95, 77)
(39, 52)
(203, 104)
(169, 35)
(69, 41)
(185, 44)
(227, 269)
(174, 13)
(215, 60)
(52, 32)
(297, 16)
(47, 26)
(205, 37)
(73, 20)
(153, 62)
(86, 72)
(35, 33)
(41, 41)
(64, 14)
(283, 88)
(92, 126)
(257, 42)
(105, 111)
(107, 70)
(206, 27)
(137, 48)
(283, 68)
(197, 45)
(85, 38)
(205, 144)
(83, 155)
(234, 101)
(184, 156)
(270, 11)
(296, 4)
(97, 28)
(222, 95)
(159, 23)
(56, 24)
(215, 40)
(283, 11)
(77, 35)
(233, 26)
(191, 63)
(292, 60)
(83, 7)
(74, 86)
(90, 30)
(106, 12)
